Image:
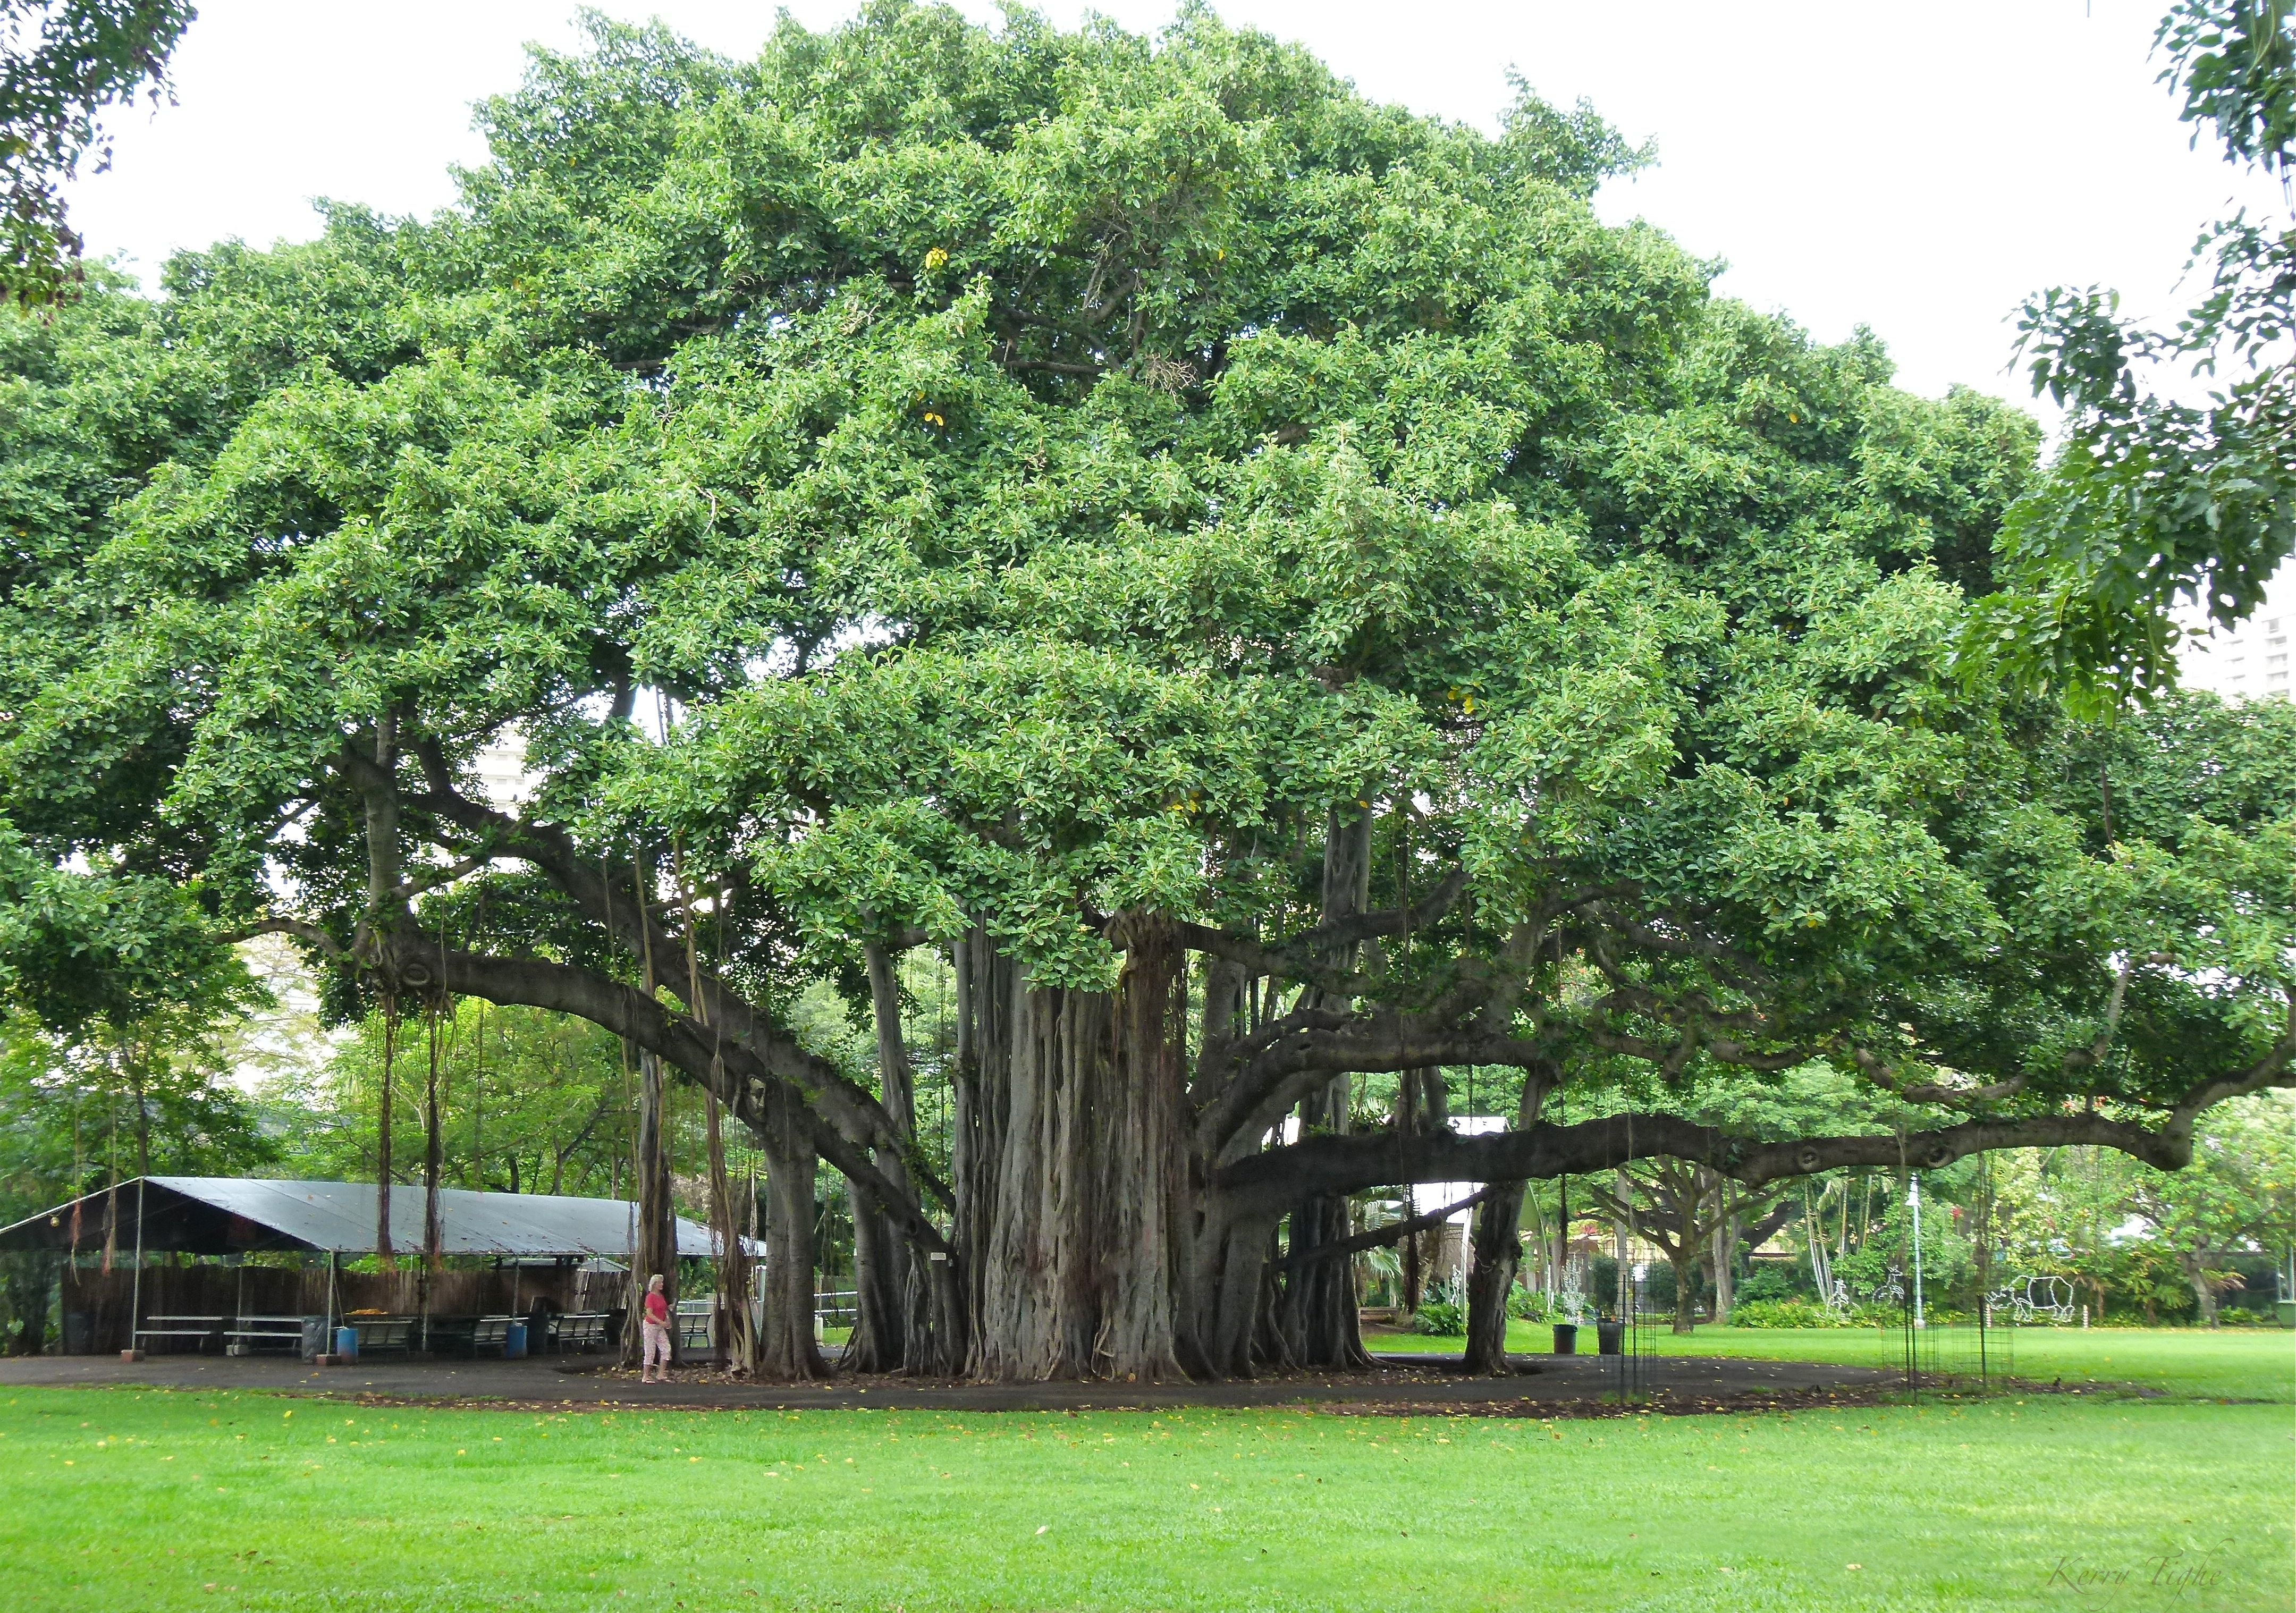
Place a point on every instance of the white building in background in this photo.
(2249, 661)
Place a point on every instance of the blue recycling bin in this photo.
(346, 1344)
(514, 1341)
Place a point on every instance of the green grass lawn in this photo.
(2237, 1363)
(123, 1499)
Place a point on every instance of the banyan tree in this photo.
(1269, 587)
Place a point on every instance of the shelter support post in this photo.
(135, 1284)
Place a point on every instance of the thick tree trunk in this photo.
(1498, 1250)
(1684, 1261)
(1036, 1319)
(1496, 1257)
(1139, 1144)
(2204, 1293)
(1413, 1257)
(1074, 1167)
(1725, 1253)
(1410, 1120)
(786, 1345)
(893, 1313)
(878, 1340)
(1318, 1318)
(983, 1034)
(380, 809)
(1227, 1294)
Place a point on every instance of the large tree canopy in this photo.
(1269, 582)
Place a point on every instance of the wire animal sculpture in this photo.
(1890, 1289)
(2033, 1297)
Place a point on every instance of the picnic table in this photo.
(175, 1330)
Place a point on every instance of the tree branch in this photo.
(1265, 1183)
(1395, 1231)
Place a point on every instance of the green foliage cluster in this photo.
(2152, 502)
(528, 1101)
(62, 63)
(1441, 1319)
(934, 479)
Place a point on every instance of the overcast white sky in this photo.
(1919, 169)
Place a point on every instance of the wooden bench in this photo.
(575, 1330)
(696, 1321)
(257, 1334)
(203, 1328)
(490, 1333)
(382, 1335)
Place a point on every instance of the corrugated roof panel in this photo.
(340, 1217)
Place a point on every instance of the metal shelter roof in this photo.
(229, 1215)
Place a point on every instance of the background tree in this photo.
(2152, 502)
(82, 1113)
(528, 1102)
(62, 63)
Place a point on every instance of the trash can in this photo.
(346, 1344)
(2287, 1309)
(514, 1341)
(1610, 1337)
(315, 1336)
(79, 1332)
(1566, 1338)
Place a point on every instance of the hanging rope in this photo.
(477, 1176)
(383, 1132)
(733, 1266)
(433, 1139)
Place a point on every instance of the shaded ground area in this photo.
(1428, 1382)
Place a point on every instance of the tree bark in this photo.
(737, 1343)
(1035, 1320)
(1139, 1142)
(896, 1299)
(1250, 1189)
(1496, 1257)
(786, 1349)
(1073, 1127)
(1726, 1254)
(1318, 1319)
(1319, 1322)
(1683, 1259)
(2195, 1270)
(1498, 1250)
(879, 1283)
(379, 806)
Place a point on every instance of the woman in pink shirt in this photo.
(656, 1329)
